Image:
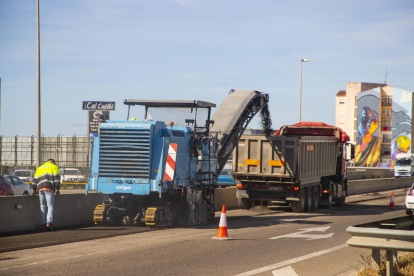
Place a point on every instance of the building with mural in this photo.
(381, 123)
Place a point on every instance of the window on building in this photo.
(341, 113)
(355, 113)
(385, 160)
(386, 114)
(386, 138)
(385, 149)
(386, 100)
(386, 125)
(342, 101)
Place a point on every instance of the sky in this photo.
(195, 50)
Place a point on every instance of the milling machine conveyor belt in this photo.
(232, 117)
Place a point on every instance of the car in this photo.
(25, 175)
(409, 201)
(225, 179)
(5, 187)
(20, 187)
(71, 175)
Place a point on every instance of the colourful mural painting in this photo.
(401, 122)
(367, 151)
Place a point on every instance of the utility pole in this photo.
(38, 148)
(0, 106)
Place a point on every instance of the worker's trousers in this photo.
(47, 200)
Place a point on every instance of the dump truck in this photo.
(164, 169)
(301, 165)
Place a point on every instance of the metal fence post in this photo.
(389, 263)
(57, 148)
(15, 151)
(32, 159)
(376, 257)
(73, 150)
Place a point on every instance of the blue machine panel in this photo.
(127, 156)
(125, 152)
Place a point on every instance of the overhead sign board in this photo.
(94, 105)
(96, 117)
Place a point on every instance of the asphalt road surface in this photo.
(266, 241)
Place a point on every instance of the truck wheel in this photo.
(409, 212)
(244, 203)
(341, 201)
(309, 200)
(315, 194)
(330, 197)
(299, 206)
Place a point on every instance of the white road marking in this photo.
(287, 271)
(291, 261)
(71, 257)
(304, 234)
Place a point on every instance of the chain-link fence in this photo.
(18, 153)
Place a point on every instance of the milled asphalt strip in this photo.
(291, 261)
(65, 258)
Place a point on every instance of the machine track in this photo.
(159, 217)
(100, 214)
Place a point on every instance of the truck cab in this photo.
(403, 165)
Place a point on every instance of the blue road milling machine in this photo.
(163, 170)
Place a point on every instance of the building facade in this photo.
(340, 109)
(378, 118)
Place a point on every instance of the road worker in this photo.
(47, 181)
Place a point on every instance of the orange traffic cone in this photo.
(222, 231)
(392, 205)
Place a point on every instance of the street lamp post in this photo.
(300, 95)
(38, 147)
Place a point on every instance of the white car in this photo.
(20, 188)
(25, 175)
(71, 175)
(409, 201)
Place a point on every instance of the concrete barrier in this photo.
(354, 173)
(20, 213)
(225, 196)
(77, 209)
(378, 185)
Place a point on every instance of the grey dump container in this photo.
(303, 159)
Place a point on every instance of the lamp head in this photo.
(304, 60)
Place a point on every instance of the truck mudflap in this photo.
(242, 194)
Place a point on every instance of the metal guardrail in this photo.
(391, 235)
